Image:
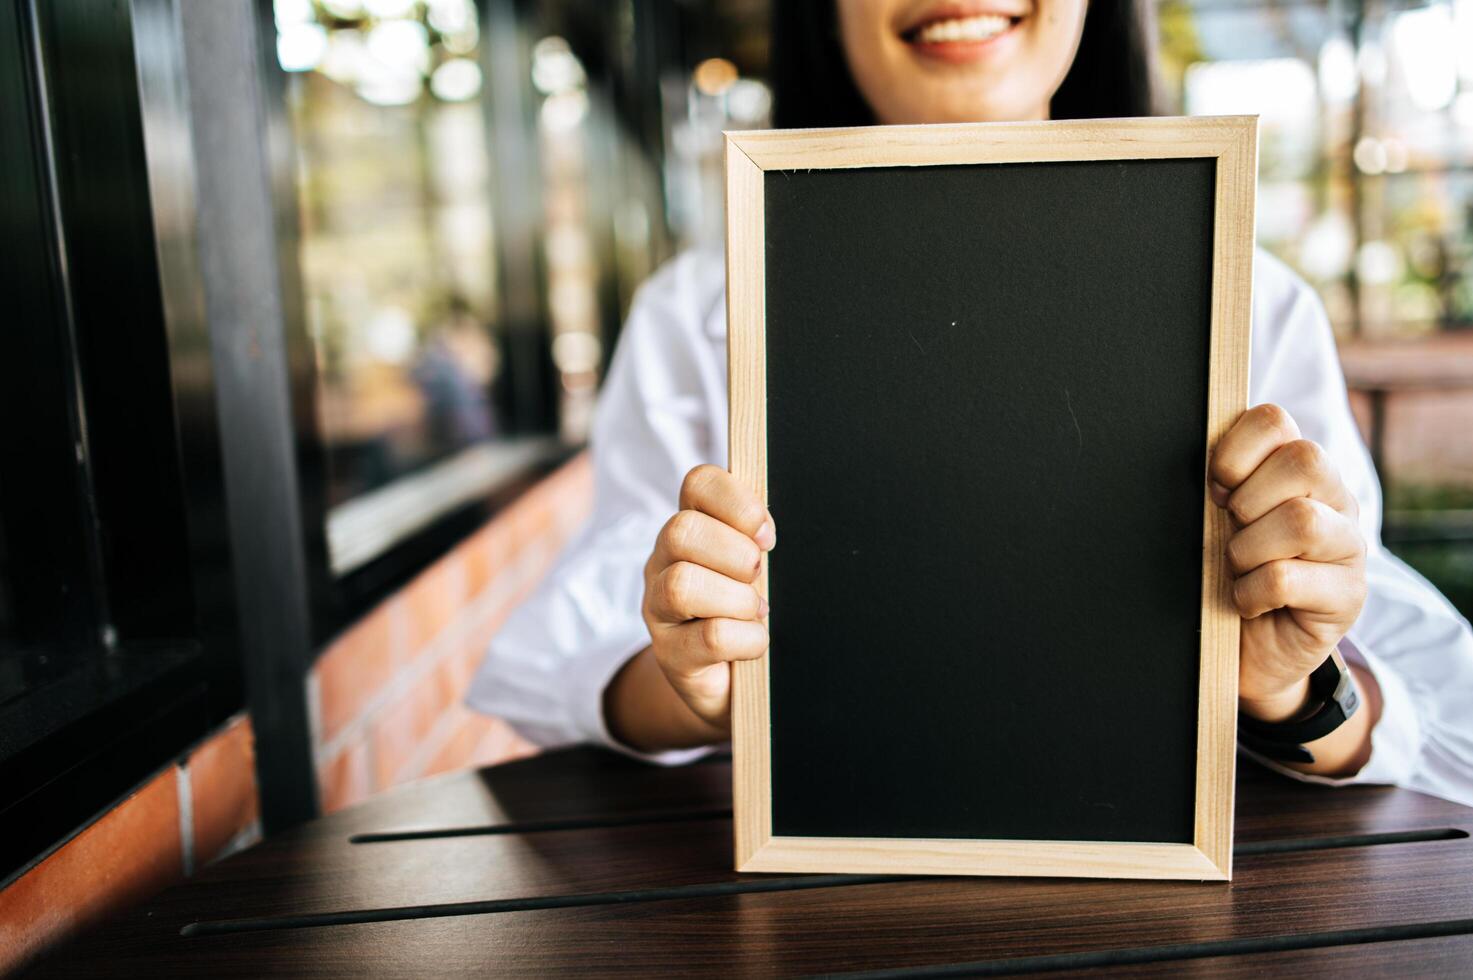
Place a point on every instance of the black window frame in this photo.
(158, 604)
(125, 651)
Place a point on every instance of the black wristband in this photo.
(1333, 699)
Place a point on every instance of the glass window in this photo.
(397, 253)
(1366, 188)
(478, 199)
(112, 659)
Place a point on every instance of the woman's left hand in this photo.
(1297, 553)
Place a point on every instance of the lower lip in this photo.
(964, 52)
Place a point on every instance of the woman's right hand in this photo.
(701, 602)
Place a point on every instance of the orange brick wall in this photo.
(193, 812)
(386, 702)
(386, 694)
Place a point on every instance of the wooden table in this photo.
(583, 862)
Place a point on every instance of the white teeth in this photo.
(978, 28)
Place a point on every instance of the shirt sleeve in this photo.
(546, 669)
(1410, 638)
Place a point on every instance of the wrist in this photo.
(642, 711)
(1277, 706)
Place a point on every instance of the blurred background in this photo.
(606, 138)
(1365, 189)
(310, 304)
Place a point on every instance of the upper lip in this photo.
(958, 9)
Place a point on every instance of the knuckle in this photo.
(1305, 520)
(677, 586)
(1278, 580)
(751, 514)
(715, 635)
(1237, 509)
(1236, 558)
(1242, 595)
(1222, 467)
(681, 532)
(1307, 457)
(1273, 417)
(700, 481)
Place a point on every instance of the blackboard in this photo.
(976, 371)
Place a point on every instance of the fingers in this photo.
(712, 490)
(704, 642)
(703, 540)
(1252, 439)
(1298, 468)
(700, 602)
(1297, 528)
(1316, 588)
(686, 591)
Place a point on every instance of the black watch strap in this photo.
(1333, 699)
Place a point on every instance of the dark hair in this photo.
(1113, 73)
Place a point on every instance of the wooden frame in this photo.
(1233, 143)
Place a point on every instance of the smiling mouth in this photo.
(962, 30)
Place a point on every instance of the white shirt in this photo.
(663, 410)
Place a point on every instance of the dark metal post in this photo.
(517, 199)
(239, 265)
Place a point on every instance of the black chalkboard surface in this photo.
(978, 390)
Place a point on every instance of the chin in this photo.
(950, 106)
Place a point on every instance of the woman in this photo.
(630, 639)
